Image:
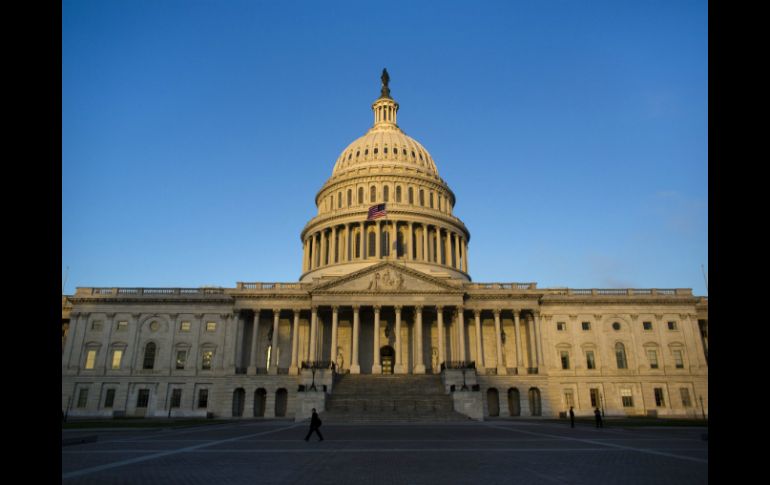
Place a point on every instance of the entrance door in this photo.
(387, 358)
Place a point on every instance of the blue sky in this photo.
(196, 134)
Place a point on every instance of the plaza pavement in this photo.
(492, 452)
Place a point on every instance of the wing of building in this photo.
(384, 322)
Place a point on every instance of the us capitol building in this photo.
(384, 322)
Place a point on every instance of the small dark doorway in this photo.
(260, 397)
(534, 402)
(493, 402)
(281, 401)
(239, 398)
(387, 358)
(514, 402)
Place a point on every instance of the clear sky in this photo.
(196, 134)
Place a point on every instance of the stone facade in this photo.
(389, 295)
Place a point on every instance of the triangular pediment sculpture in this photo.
(387, 277)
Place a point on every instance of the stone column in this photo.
(309, 241)
(399, 367)
(448, 251)
(439, 249)
(293, 368)
(538, 342)
(461, 329)
(304, 255)
(333, 253)
(441, 343)
(274, 344)
(107, 332)
(531, 332)
(479, 343)
(419, 366)
(313, 328)
(252, 370)
(323, 248)
(376, 367)
(355, 368)
(500, 367)
(425, 243)
(394, 240)
(378, 241)
(410, 243)
(335, 320)
(465, 256)
(231, 331)
(517, 328)
(69, 344)
(456, 239)
(363, 241)
(238, 341)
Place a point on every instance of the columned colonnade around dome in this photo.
(416, 241)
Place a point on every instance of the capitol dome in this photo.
(385, 167)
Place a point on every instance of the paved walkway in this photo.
(490, 452)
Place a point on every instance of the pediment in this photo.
(387, 277)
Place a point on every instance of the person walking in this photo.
(598, 415)
(315, 423)
(571, 417)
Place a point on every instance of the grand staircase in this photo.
(389, 399)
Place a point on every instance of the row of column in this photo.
(327, 247)
(399, 367)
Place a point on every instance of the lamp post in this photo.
(601, 403)
(312, 385)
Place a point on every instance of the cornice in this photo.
(425, 216)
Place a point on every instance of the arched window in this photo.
(422, 198)
(514, 402)
(373, 194)
(350, 197)
(372, 246)
(620, 355)
(339, 200)
(360, 195)
(385, 193)
(411, 195)
(398, 193)
(260, 398)
(149, 356)
(239, 398)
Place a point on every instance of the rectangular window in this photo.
(627, 397)
(184, 327)
(208, 356)
(647, 325)
(203, 398)
(590, 360)
(685, 393)
(117, 356)
(176, 398)
(122, 326)
(211, 326)
(181, 359)
(659, 401)
(109, 399)
(83, 398)
(672, 325)
(594, 397)
(90, 359)
(143, 398)
(564, 360)
(652, 355)
(561, 326)
(569, 398)
(586, 326)
(678, 359)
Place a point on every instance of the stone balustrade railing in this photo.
(150, 291)
(502, 286)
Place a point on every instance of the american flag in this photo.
(376, 211)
